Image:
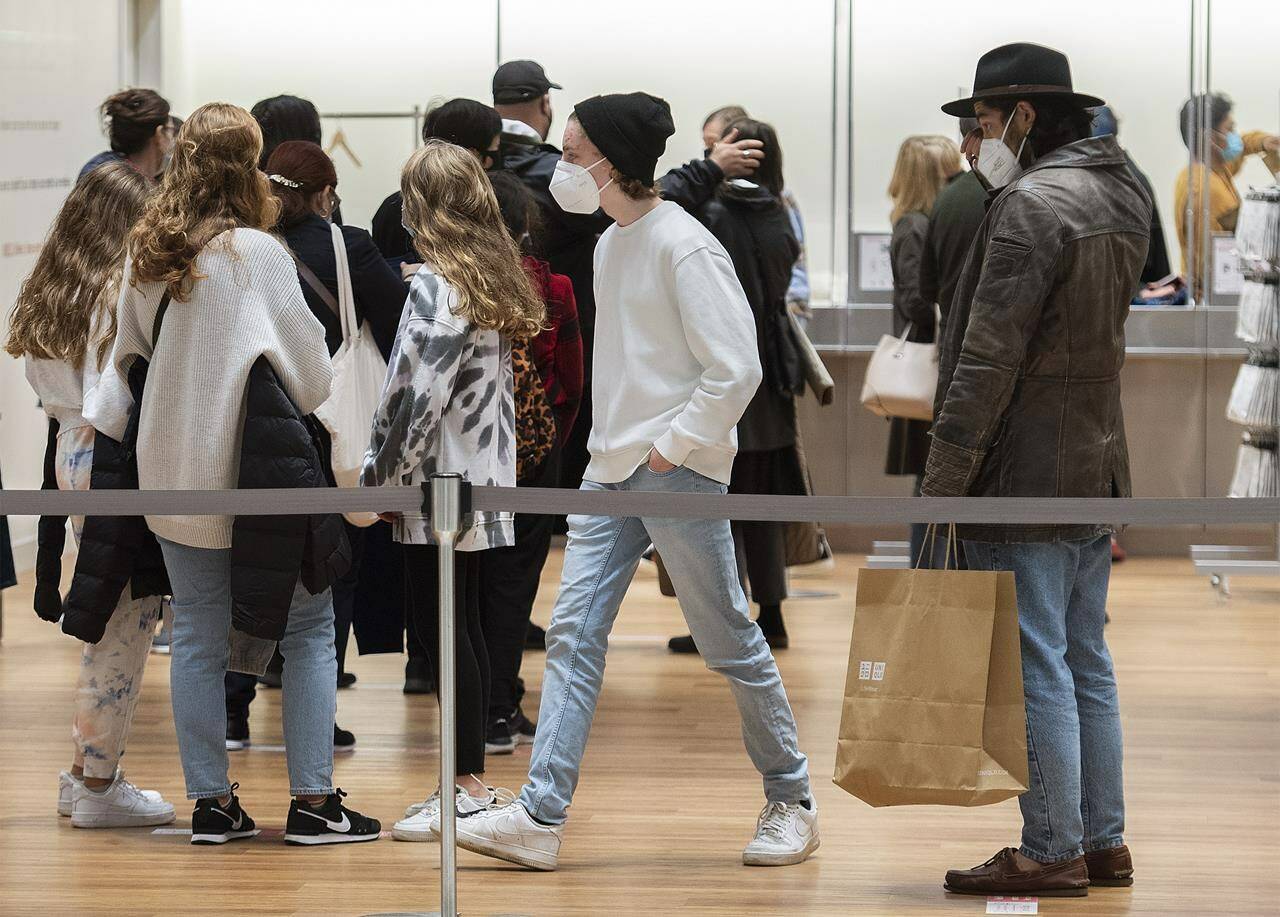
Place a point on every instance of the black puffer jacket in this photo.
(269, 554)
(115, 551)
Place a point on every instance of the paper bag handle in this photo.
(953, 546)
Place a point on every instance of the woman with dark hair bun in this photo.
(140, 129)
(472, 125)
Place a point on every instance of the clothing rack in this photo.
(1253, 403)
(416, 115)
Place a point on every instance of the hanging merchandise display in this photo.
(1255, 398)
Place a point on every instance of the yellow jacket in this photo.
(1224, 198)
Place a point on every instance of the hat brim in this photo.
(963, 108)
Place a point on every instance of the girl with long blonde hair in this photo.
(203, 243)
(448, 406)
(64, 324)
(924, 165)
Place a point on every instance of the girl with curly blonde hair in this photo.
(203, 244)
(64, 323)
(448, 406)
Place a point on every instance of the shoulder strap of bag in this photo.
(159, 320)
(310, 279)
(346, 297)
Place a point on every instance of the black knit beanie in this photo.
(630, 129)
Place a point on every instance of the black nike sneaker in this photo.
(330, 822)
(213, 823)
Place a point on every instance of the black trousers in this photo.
(422, 589)
(764, 547)
(509, 580)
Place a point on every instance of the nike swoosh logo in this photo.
(342, 827)
(235, 825)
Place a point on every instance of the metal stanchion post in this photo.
(446, 522)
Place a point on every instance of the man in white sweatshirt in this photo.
(676, 365)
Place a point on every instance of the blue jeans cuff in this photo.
(211, 794)
(1046, 859)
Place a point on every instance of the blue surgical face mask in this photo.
(1233, 147)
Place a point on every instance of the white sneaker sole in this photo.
(315, 840)
(790, 858)
(237, 744)
(208, 839)
(511, 853)
(120, 819)
(499, 749)
(418, 837)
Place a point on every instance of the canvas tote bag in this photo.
(933, 706)
(358, 375)
(902, 376)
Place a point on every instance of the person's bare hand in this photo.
(737, 158)
(657, 464)
(970, 146)
(408, 270)
(389, 517)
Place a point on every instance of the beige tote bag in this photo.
(902, 376)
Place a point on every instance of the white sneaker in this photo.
(422, 819)
(785, 835)
(68, 781)
(509, 833)
(120, 805)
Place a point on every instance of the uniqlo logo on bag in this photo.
(870, 671)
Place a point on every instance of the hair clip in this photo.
(287, 182)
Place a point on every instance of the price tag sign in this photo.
(1001, 904)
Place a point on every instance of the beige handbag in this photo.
(902, 376)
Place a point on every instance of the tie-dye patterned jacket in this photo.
(447, 406)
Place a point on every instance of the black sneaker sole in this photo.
(315, 840)
(200, 840)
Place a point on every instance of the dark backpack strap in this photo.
(309, 277)
(159, 320)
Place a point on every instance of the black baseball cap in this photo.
(520, 81)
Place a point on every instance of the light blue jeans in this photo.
(599, 563)
(201, 582)
(1075, 802)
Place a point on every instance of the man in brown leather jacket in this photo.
(1028, 405)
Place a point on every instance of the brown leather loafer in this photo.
(1003, 874)
(1111, 867)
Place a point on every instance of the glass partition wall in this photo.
(844, 82)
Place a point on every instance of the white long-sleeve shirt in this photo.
(675, 359)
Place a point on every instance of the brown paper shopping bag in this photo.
(933, 705)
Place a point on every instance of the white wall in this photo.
(58, 61)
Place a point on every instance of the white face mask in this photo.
(998, 164)
(574, 189)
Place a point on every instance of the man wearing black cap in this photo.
(676, 340)
(1028, 405)
(522, 96)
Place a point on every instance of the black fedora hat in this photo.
(1023, 70)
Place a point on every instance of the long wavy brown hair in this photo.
(457, 228)
(212, 185)
(78, 269)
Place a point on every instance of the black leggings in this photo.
(422, 588)
(508, 587)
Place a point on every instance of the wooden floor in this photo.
(668, 797)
